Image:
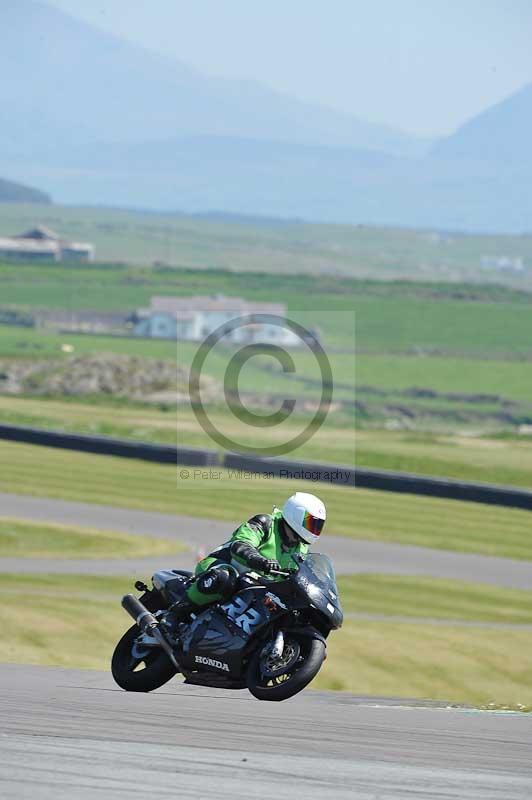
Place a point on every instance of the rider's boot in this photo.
(180, 612)
(183, 608)
(216, 583)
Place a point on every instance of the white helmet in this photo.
(305, 513)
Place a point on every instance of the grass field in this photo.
(25, 539)
(67, 620)
(75, 621)
(462, 665)
(393, 373)
(430, 598)
(429, 356)
(273, 247)
(412, 392)
(357, 513)
(367, 374)
(449, 360)
(390, 316)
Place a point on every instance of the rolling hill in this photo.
(85, 85)
(500, 135)
(11, 192)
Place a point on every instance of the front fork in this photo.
(278, 645)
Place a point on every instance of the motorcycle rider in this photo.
(263, 544)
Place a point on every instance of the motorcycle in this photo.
(270, 637)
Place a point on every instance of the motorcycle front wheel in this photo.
(309, 655)
(139, 674)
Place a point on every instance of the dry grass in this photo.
(406, 596)
(444, 662)
(62, 620)
(36, 540)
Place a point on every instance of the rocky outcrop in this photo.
(103, 373)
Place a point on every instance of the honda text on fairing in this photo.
(269, 637)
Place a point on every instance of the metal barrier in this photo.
(383, 480)
(334, 474)
(103, 445)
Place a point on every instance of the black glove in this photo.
(269, 565)
(253, 558)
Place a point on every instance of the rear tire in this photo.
(290, 683)
(157, 670)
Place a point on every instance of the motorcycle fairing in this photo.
(171, 583)
(210, 637)
(317, 582)
(221, 632)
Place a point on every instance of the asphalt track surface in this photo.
(74, 734)
(201, 535)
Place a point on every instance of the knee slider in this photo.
(217, 580)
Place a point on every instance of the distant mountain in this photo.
(17, 193)
(192, 153)
(226, 174)
(70, 83)
(280, 179)
(97, 120)
(500, 135)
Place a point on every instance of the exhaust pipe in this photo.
(139, 612)
(148, 623)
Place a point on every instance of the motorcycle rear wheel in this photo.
(285, 685)
(157, 670)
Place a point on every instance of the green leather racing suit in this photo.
(252, 545)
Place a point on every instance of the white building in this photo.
(503, 263)
(194, 318)
(43, 244)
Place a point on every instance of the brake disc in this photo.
(271, 667)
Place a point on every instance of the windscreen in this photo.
(319, 568)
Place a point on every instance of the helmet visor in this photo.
(313, 524)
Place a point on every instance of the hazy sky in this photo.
(422, 65)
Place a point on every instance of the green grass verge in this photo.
(361, 514)
(76, 620)
(37, 540)
(431, 598)
(63, 620)
(442, 662)
(506, 461)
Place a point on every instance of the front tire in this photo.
(289, 683)
(157, 669)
